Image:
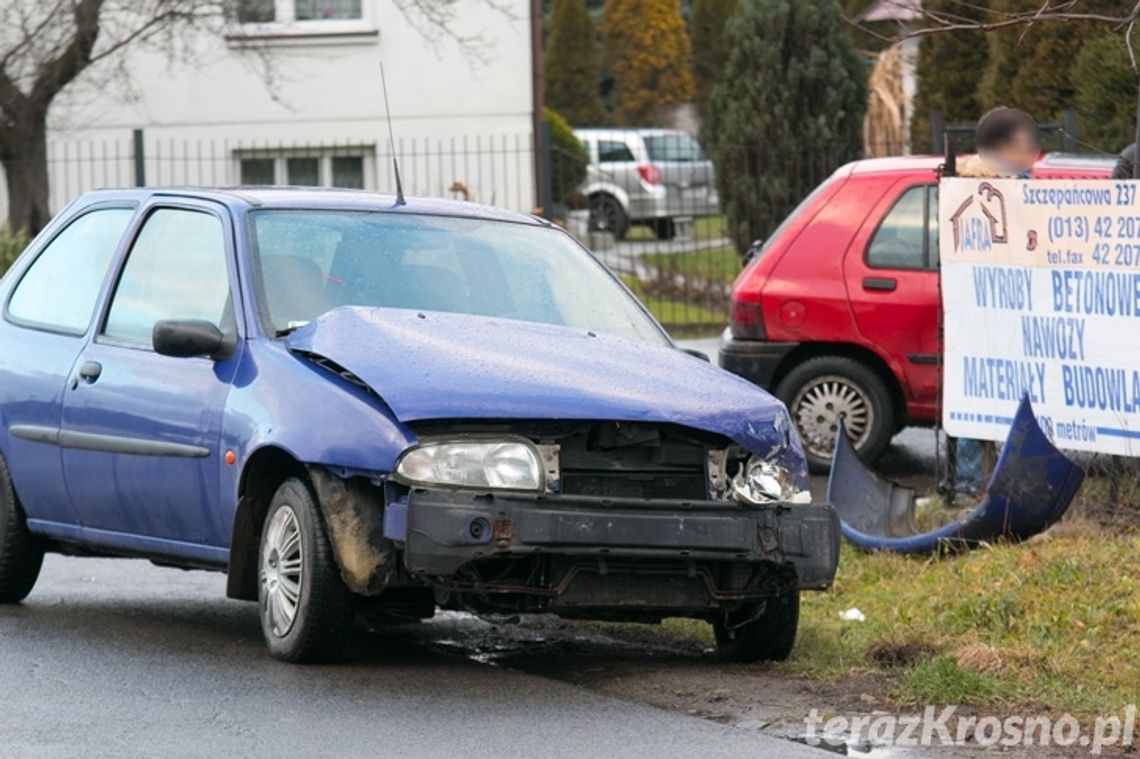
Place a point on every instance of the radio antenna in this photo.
(400, 201)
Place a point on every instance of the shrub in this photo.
(573, 65)
(709, 49)
(788, 110)
(1106, 93)
(11, 245)
(647, 52)
(568, 161)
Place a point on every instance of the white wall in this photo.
(199, 117)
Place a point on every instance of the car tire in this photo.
(821, 390)
(608, 215)
(20, 553)
(664, 229)
(297, 572)
(762, 631)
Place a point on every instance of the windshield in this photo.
(673, 146)
(314, 261)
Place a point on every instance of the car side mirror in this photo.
(187, 338)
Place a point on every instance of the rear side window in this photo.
(903, 239)
(613, 152)
(677, 146)
(59, 290)
(175, 270)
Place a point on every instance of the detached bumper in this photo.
(447, 529)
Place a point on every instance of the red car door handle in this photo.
(885, 284)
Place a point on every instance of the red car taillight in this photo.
(649, 173)
(746, 320)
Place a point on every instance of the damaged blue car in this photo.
(355, 405)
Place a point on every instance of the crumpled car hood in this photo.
(433, 365)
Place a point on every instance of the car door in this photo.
(891, 269)
(143, 429)
(47, 314)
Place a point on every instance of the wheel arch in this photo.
(262, 474)
(593, 189)
(866, 357)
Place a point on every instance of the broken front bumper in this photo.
(448, 529)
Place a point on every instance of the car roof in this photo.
(320, 198)
(922, 163)
(639, 131)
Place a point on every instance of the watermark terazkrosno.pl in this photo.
(944, 726)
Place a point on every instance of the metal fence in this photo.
(670, 243)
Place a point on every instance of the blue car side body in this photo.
(138, 462)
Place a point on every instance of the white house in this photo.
(462, 115)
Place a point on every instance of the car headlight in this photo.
(761, 482)
(482, 464)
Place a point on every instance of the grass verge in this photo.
(681, 318)
(1051, 625)
(704, 228)
(712, 264)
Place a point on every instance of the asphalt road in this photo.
(120, 658)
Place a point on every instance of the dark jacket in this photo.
(1123, 169)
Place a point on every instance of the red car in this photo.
(838, 313)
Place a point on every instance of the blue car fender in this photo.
(317, 424)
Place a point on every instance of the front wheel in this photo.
(822, 391)
(762, 631)
(305, 608)
(20, 554)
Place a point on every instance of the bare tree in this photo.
(978, 16)
(46, 44)
(975, 15)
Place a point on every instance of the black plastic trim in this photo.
(87, 441)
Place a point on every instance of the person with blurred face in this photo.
(1007, 148)
(1007, 145)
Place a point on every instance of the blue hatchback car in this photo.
(353, 405)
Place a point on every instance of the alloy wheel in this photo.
(282, 571)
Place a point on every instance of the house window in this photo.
(303, 172)
(258, 171)
(307, 169)
(256, 11)
(312, 10)
(348, 171)
(286, 11)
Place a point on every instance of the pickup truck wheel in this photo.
(20, 553)
(306, 610)
(608, 215)
(764, 631)
(821, 391)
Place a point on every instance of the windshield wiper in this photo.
(293, 327)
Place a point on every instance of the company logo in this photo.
(980, 222)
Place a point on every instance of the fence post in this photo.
(937, 132)
(1070, 131)
(140, 158)
(545, 171)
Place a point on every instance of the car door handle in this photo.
(90, 371)
(885, 284)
